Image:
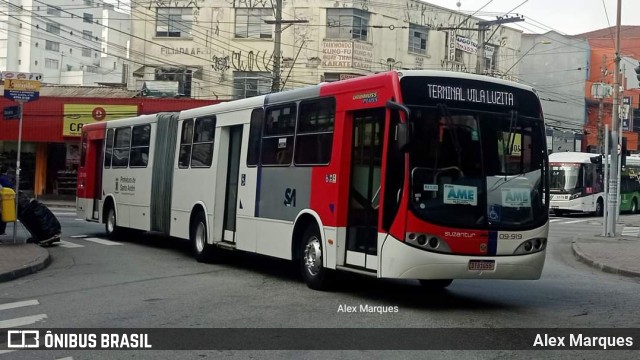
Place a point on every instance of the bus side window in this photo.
(186, 138)
(314, 134)
(253, 154)
(203, 136)
(278, 134)
(108, 151)
(140, 146)
(121, 147)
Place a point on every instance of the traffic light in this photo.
(637, 70)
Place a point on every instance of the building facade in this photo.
(70, 42)
(224, 49)
(557, 66)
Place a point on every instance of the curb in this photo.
(599, 265)
(26, 270)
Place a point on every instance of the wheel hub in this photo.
(200, 237)
(313, 256)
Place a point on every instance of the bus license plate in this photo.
(486, 265)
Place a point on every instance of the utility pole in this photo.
(275, 85)
(603, 72)
(615, 126)
(483, 26)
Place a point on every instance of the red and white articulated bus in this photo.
(423, 175)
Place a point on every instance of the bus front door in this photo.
(364, 189)
(231, 188)
(98, 148)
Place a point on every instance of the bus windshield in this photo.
(564, 177)
(477, 169)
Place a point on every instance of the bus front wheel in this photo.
(202, 250)
(315, 275)
(111, 224)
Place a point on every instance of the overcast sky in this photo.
(566, 16)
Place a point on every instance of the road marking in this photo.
(70, 245)
(102, 241)
(79, 236)
(22, 321)
(6, 351)
(18, 304)
(631, 231)
(555, 220)
(66, 358)
(64, 213)
(576, 221)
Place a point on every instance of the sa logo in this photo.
(290, 197)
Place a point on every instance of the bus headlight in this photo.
(531, 246)
(574, 196)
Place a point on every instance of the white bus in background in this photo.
(577, 183)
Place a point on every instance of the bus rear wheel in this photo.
(315, 275)
(439, 284)
(202, 250)
(634, 206)
(600, 207)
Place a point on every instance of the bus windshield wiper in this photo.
(444, 112)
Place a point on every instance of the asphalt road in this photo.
(145, 281)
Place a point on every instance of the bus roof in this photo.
(461, 75)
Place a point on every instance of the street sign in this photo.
(10, 75)
(21, 90)
(11, 112)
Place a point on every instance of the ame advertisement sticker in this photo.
(78, 115)
(460, 194)
(514, 197)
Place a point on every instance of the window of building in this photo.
(248, 84)
(278, 133)
(86, 52)
(121, 147)
(108, 149)
(88, 18)
(51, 63)
(418, 36)
(314, 136)
(53, 28)
(250, 23)
(347, 24)
(53, 10)
(87, 35)
(52, 45)
(140, 145)
(173, 22)
(255, 132)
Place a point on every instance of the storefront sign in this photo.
(362, 55)
(78, 115)
(471, 46)
(21, 90)
(337, 54)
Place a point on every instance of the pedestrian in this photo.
(5, 181)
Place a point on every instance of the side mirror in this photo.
(403, 136)
(596, 159)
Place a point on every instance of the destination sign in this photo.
(476, 95)
(470, 93)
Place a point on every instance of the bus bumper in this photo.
(570, 205)
(402, 261)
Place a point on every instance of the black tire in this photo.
(315, 275)
(434, 285)
(557, 212)
(202, 251)
(600, 207)
(111, 227)
(634, 206)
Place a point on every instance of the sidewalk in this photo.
(20, 259)
(617, 255)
